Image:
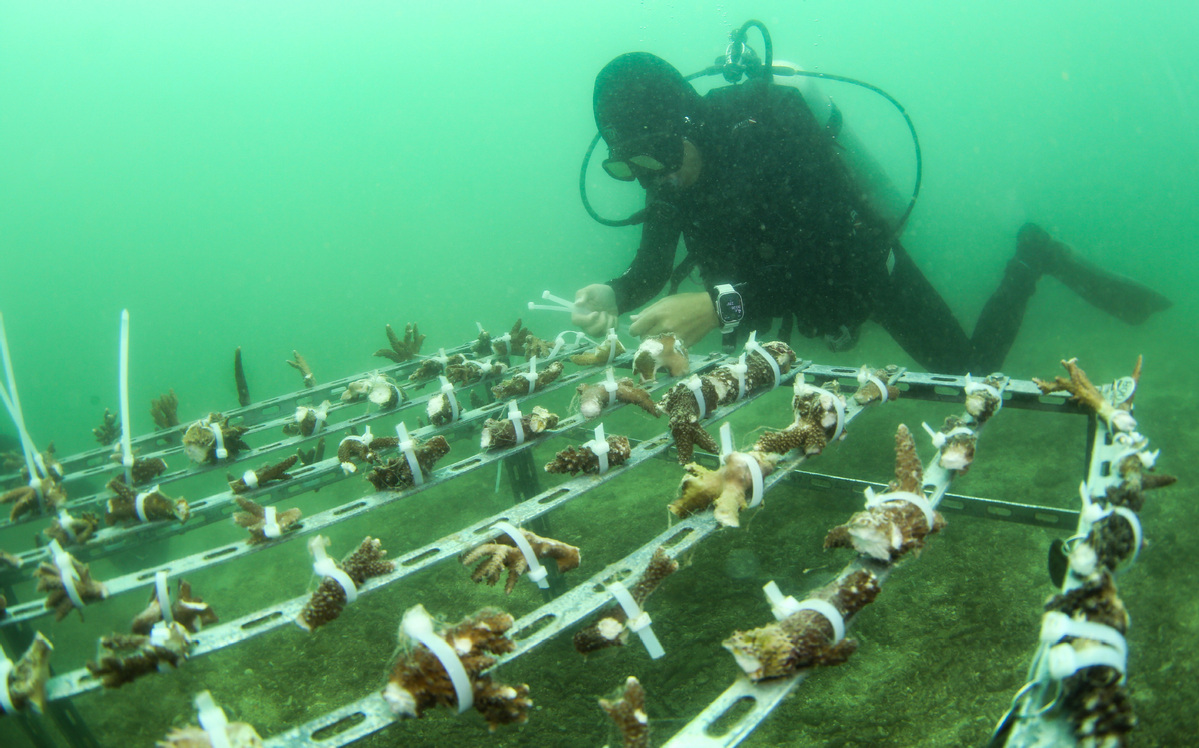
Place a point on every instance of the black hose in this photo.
(767, 46)
(634, 219)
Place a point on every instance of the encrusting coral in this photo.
(142, 506)
(663, 351)
(27, 680)
(200, 442)
(300, 364)
(395, 474)
(500, 432)
(402, 350)
(501, 554)
(189, 611)
(123, 658)
(419, 681)
(71, 530)
(725, 489)
(50, 579)
(1118, 417)
(518, 386)
(254, 478)
(329, 598)
(164, 409)
(575, 460)
(610, 630)
(628, 712)
(593, 397)
(888, 529)
(805, 638)
(261, 528)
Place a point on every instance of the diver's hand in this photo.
(690, 316)
(595, 309)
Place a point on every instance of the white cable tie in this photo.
(940, 438)
(612, 341)
(221, 452)
(915, 499)
(830, 614)
(64, 521)
(1065, 660)
(163, 593)
(419, 626)
(755, 474)
(139, 504)
(212, 720)
(514, 416)
(599, 448)
(531, 374)
(864, 376)
(537, 572)
(752, 346)
(610, 385)
(971, 387)
(270, 523)
(726, 439)
(6, 706)
(406, 446)
(447, 389)
(740, 369)
(67, 573)
(1056, 625)
(1137, 536)
(250, 478)
(780, 606)
(694, 384)
(839, 407)
(327, 567)
(321, 412)
(559, 341)
(558, 300)
(638, 620)
(160, 634)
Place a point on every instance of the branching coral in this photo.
(519, 386)
(500, 432)
(201, 443)
(53, 580)
(725, 489)
(27, 680)
(254, 478)
(69, 530)
(419, 681)
(628, 712)
(818, 415)
(26, 499)
(363, 448)
(123, 658)
(239, 380)
(502, 554)
(396, 473)
(575, 460)
(592, 398)
(806, 638)
(610, 630)
(300, 364)
(1118, 417)
(330, 597)
(660, 352)
(402, 350)
(263, 522)
(142, 506)
(109, 429)
(189, 611)
(165, 410)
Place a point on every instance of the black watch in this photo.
(730, 309)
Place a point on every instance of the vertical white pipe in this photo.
(13, 402)
(126, 441)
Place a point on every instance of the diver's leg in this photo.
(999, 322)
(915, 315)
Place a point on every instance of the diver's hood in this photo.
(643, 105)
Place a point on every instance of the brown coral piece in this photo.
(610, 629)
(123, 658)
(70, 530)
(363, 448)
(501, 553)
(142, 506)
(680, 405)
(300, 364)
(419, 681)
(499, 433)
(469, 372)
(396, 473)
(189, 611)
(263, 475)
(575, 460)
(239, 735)
(603, 353)
(592, 398)
(27, 681)
(868, 391)
(725, 488)
(25, 499)
(804, 639)
(109, 429)
(518, 386)
(378, 388)
(200, 443)
(402, 350)
(329, 598)
(628, 712)
(663, 351)
(433, 366)
(815, 423)
(254, 519)
(307, 419)
(164, 409)
(1083, 391)
(50, 580)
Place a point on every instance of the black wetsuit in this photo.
(775, 213)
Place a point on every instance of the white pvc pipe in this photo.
(13, 402)
(126, 440)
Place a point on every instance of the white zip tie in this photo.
(865, 376)
(972, 386)
(755, 470)
(321, 412)
(830, 614)
(250, 478)
(837, 406)
(780, 606)
(447, 389)
(270, 523)
(1065, 660)
(531, 375)
(66, 572)
(163, 593)
(326, 567)
(212, 720)
(139, 504)
(1056, 625)
(612, 341)
(915, 499)
(739, 369)
(610, 385)
(568, 305)
(638, 620)
(419, 626)
(599, 448)
(939, 439)
(514, 416)
(64, 521)
(418, 477)
(752, 346)
(696, 386)
(221, 452)
(6, 706)
(537, 572)
(559, 341)
(1137, 537)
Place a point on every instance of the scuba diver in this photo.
(778, 228)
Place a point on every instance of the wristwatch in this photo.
(730, 309)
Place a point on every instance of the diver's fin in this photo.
(1123, 298)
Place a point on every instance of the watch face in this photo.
(729, 307)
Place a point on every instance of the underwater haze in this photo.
(293, 176)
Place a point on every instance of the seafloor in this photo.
(942, 650)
